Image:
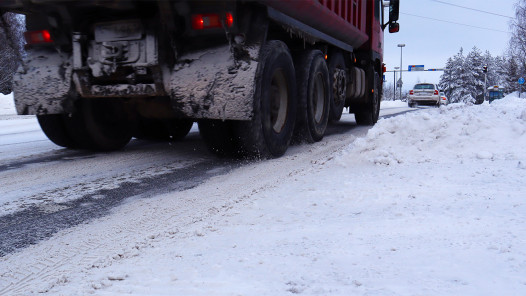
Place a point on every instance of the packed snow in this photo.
(429, 202)
(7, 105)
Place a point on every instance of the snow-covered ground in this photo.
(431, 202)
(7, 105)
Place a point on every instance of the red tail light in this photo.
(38, 37)
(411, 92)
(229, 19)
(436, 92)
(211, 20)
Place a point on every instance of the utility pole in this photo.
(401, 47)
(485, 70)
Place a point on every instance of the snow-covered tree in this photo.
(500, 70)
(472, 76)
(512, 69)
(518, 38)
(12, 27)
(388, 92)
(463, 78)
(451, 80)
(495, 72)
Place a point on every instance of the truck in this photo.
(255, 75)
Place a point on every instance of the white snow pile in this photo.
(7, 105)
(452, 133)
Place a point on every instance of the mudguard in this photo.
(43, 85)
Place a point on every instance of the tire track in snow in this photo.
(29, 226)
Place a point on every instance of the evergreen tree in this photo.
(512, 75)
(500, 70)
(452, 77)
(493, 69)
(473, 76)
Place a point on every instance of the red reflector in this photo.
(211, 20)
(229, 19)
(411, 92)
(36, 37)
(436, 92)
(205, 21)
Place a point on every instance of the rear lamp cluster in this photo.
(211, 20)
(38, 37)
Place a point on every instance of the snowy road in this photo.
(425, 203)
(46, 189)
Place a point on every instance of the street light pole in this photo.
(394, 72)
(401, 47)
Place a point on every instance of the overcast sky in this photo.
(430, 42)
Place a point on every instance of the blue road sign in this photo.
(415, 68)
(521, 80)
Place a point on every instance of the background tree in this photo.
(451, 81)
(512, 70)
(388, 92)
(495, 72)
(472, 76)
(518, 37)
(12, 27)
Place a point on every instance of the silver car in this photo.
(424, 94)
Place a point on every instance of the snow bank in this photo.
(7, 104)
(393, 104)
(451, 133)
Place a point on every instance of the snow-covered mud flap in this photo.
(212, 84)
(43, 84)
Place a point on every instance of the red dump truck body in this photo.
(344, 20)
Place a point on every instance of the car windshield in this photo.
(424, 86)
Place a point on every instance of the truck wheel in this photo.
(269, 132)
(338, 82)
(54, 128)
(219, 137)
(99, 125)
(178, 128)
(162, 130)
(314, 96)
(368, 113)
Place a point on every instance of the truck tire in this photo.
(162, 130)
(368, 113)
(269, 132)
(338, 82)
(54, 128)
(99, 125)
(314, 95)
(219, 137)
